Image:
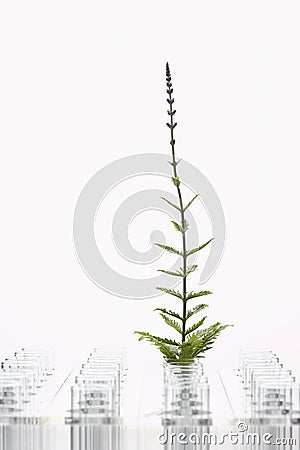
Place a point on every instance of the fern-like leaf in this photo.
(197, 249)
(167, 347)
(170, 291)
(179, 227)
(172, 323)
(169, 249)
(197, 294)
(202, 340)
(145, 335)
(191, 269)
(170, 203)
(186, 353)
(195, 310)
(195, 326)
(190, 202)
(168, 272)
(179, 272)
(169, 313)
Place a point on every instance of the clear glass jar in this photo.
(186, 395)
(11, 404)
(96, 396)
(92, 403)
(274, 403)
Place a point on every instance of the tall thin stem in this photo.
(176, 181)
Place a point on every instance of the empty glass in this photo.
(26, 371)
(96, 395)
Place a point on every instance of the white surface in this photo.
(82, 84)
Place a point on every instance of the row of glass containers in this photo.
(23, 381)
(186, 394)
(271, 393)
(97, 392)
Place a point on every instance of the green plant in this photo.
(195, 340)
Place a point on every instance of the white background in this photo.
(82, 84)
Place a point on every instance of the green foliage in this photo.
(179, 227)
(195, 326)
(197, 249)
(170, 313)
(172, 323)
(169, 249)
(202, 340)
(190, 269)
(194, 347)
(174, 163)
(195, 340)
(195, 310)
(168, 272)
(170, 203)
(190, 202)
(170, 291)
(166, 346)
(176, 181)
(197, 294)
